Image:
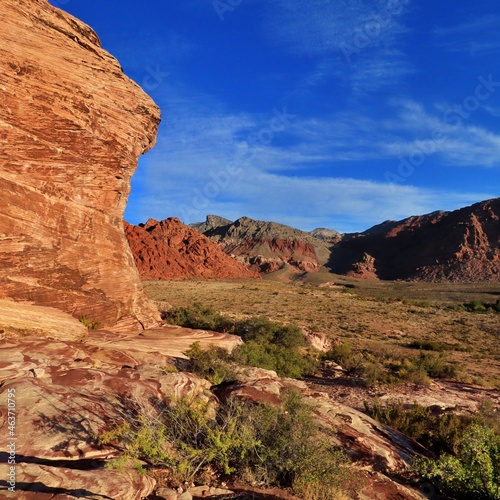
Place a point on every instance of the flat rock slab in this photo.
(40, 482)
(67, 392)
(170, 340)
(22, 318)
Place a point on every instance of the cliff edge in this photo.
(72, 127)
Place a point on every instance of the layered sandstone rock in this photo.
(72, 127)
(168, 249)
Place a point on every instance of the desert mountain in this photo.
(72, 127)
(168, 249)
(267, 246)
(462, 245)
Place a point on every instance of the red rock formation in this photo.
(72, 127)
(463, 245)
(171, 250)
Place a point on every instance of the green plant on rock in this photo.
(276, 445)
(91, 325)
(474, 472)
(213, 363)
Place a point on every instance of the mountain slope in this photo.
(168, 249)
(463, 245)
(267, 246)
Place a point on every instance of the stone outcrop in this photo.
(463, 245)
(72, 127)
(267, 246)
(68, 392)
(169, 249)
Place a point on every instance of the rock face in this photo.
(171, 250)
(463, 245)
(72, 127)
(267, 246)
(67, 393)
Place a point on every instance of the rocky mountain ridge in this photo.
(267, 246)
(461, 245)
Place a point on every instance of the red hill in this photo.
(168, 249)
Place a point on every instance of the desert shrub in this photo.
(384, 368)
(480, 306)
(438, 432)
(293, 451)
(268, 345)
(436, 366)
(262, 330)
(430, 345)
(489, 415)
(275, 445)
(213, 363)
(474, 471)
(200, 317)
(216, 364)
(344, 355)
(284, 361)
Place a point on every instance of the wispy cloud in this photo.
(358, 33)
(460, 143)
(474, 36)
(201, 167)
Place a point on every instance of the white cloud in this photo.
(358, 33)
(474, 36)
(455, 140)
(204, 165)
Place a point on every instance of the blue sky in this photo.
(331, 113)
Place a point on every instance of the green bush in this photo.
(262, 330)
(474, 472)
(199, 317)
(268, 345)
(213, 363)
(91, 325)
(438, 433)
(479, 306)
(284, 361)
(274, 445)
(385, 368)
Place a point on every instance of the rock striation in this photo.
(462, 245)
(72, 127)
(267, 246)
(168, 249)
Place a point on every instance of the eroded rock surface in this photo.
(169, 249)
(72, 127)
(68, 392)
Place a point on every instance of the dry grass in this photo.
(372, 315)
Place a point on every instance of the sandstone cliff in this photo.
(72, 127)
(171, 250)
(463, 245)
